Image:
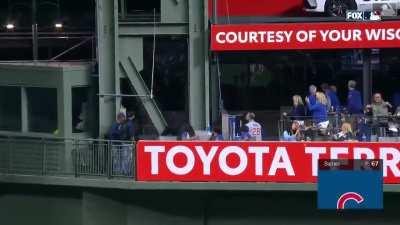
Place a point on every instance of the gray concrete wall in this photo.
(34, 209)
(72, 206)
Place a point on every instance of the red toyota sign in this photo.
(288, 162)
(284, 36)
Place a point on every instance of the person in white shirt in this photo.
(255, 129)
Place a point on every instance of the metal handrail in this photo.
(66, 157)
(380, 127)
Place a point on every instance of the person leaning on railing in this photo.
(381, 113)
(380, 108)
(121, 147)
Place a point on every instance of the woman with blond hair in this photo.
(319, 110)
(298, 111)
(345, 134)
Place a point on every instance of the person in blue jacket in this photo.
(319, 111)
(118, 128)
(354, 101)
(333, 100)
(312, 89)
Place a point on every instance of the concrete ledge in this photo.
(126, 184)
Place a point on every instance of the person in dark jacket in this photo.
(130, 126)
(335, 99)
(354, 101)
(118, 128)
(216, 134)
(186, 132)
(319, 110)
(121, 153)
(298, 112)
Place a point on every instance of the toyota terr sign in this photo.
(288, 162)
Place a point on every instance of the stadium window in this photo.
(42, 109)
(79, 109)
(10, 109)
(143, 11)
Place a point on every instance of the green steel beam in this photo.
(128, 68)
(142, 29)
(105, 11)
(197, 98)
(206, 58)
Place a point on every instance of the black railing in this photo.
(364, 127)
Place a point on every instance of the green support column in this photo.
(197, 100)
(207, 89)
(105, 12)
(24, 110)
(117, 83)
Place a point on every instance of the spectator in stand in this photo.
(118, 128)
(354, 101)
(326, 90)
(186, 132)
(312, 98)
(121, 152)
(336, 100)
(380, 110)
(345, 134)
(244, 133)
(130, 126)
(319, 110)
(216, 134)
(298, 112)
(332, 97)
(255, 129)
(295, 133)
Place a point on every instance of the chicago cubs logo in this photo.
(349, 196)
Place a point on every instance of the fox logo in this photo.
(349, 196)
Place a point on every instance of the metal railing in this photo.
(376, 128)
(66, 157)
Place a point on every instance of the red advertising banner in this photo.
(285, 36)
(286, 162)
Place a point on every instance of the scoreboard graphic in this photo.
(350, 184)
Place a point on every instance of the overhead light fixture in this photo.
(10, 26)
(58, 25)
